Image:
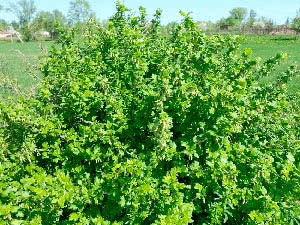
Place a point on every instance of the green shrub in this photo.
(133, 127)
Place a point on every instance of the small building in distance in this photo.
(283, 30)
(10, 34)
(44, 34)
(5, 35)
(226, 27)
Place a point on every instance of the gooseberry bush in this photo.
(133, 127)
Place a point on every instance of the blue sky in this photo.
(202, 10)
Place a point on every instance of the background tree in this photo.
(3, 24)
(25, 11)
(44, 21)
(2, 7)
(238, 14)
(15, 25)
(48, 21)
(296, 25)
(252, 18)
(298, 13)
(287, 22)
(253, 14)
(59, 17)
(228, 21)
(79, 11)
(268, 22)
(60, 20)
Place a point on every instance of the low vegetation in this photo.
(133, 127)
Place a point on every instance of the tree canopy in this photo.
(239, 14)
(49, 21)
(79, 11)
(24, 10)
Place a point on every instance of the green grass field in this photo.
(267, 46)
(18, 59)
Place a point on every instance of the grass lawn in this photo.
(267, 46)
(17, 58)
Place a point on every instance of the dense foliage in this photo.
(133, 127)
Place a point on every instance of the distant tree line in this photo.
(32, 23)
(240, 18)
